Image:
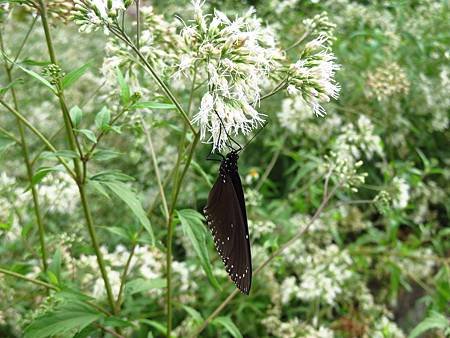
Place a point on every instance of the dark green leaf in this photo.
(60, 153)
(74, 75)
(42, 172)
(122, 191)
(112, 175)
(55, 265)
(105, 155)
(192, 224)
(121, 232)
(37, 77)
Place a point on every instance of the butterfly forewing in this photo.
(227, 219)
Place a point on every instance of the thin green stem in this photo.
(123, 278)
(138, 25)
(122, 35)
(26, 156)
(299, 41)
(25, 39)
(80, 176)
(10, 135)
(176, 192)
(95, 243)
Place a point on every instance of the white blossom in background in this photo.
(386, 328)
(400, 195)
(59, 193)
(237, 56)
(94, 14)
(311, 78)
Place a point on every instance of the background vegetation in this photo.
(360, 195)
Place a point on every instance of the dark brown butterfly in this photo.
(226, 216)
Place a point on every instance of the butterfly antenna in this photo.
(228, 135)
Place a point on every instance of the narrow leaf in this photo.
(37, 77)
(228, 324)
(152, 105)
(434, 321)
(192, 224)
(125, 93)
(122, 191)
(141, 285)
(74, 75)
(89, 134)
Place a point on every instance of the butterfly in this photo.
(226, 216)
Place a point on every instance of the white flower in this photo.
(236, 56)
(93, 14)
(401, 193)
(313, 75)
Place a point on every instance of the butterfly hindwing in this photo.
(227, 219)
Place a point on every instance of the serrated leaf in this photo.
(140, 285)
(37, 77)
(102, 119)
(152, 105)
(89, 134)
(65, 318)
(125, 93)
(228, 324)
(76, 114)
(74, 75)
(435, 320)
(192, 225)
(122, 191)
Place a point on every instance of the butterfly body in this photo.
(226, 216)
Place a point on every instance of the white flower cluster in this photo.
(260, 228)
(94, 14)
(400, 193)
(386, 328)
(238, 56)
(59, 193)
(325, 270)
(357, 140)
(312, 76)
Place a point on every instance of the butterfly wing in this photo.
(228, 224)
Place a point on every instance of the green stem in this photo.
(93, 235)
(26, 154)
(170, 234)
(74, 145)
(123, 278)
(122, 35)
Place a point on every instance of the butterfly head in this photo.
(232, 156)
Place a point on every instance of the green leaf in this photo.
(158, 326)
(42, 172)
(192, 224)
(98, 187)
(194, 314)
(117, 322)
(102, 119)
(152, 105)
(74, 75)
(55, 266)
(12, 84)
(46, 155)
(89, 134)
(105, 155)
(125, 93)
(76, 114)
(121, 232)
(65, 318)
(37, 77)
(122, 191)
(228, 324)
(434, 321)
(112, 175)
(141, 285)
